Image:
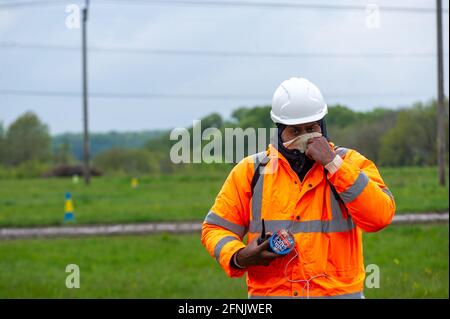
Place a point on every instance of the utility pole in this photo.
(86, 171)
(440, 98)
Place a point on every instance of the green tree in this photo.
(255, 117)
(212, 120)
(364, 132)
(341, 116)
(412, 141)
(63, 154)
(27, 139)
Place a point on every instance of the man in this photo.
(323, 194)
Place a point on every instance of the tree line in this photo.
(400, 137)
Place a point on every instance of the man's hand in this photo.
(320, 150)
(256, 255)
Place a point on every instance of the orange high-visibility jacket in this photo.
(328, 256)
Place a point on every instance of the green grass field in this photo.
(413, 261)
(32, 202)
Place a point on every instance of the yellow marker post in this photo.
(68, 208)
(134, 182)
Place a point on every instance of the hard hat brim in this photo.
(301, 120)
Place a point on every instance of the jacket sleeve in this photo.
(227, 222)
(367, 198)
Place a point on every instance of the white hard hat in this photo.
(297, 101)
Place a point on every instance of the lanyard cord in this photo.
(306, 281)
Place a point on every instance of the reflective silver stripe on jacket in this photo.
(221, 243)
(356, 189)
(341, 151)
(214, 219)
(257, 194)
(309, 226)
(388, 192)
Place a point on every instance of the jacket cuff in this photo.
(226, 257)
(345, 176)
(333, 166)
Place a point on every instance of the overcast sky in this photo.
(358, 82)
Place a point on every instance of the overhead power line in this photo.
(180, 52)
(24, 4)
(193, 96)
(131, 95)
(230, 4)
(272, 5)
